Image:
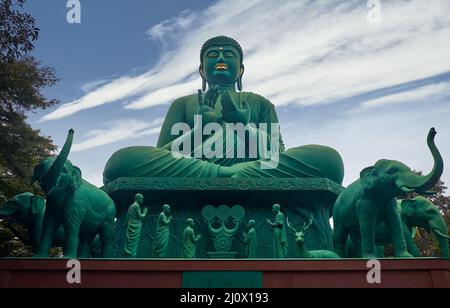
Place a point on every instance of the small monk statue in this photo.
(279, 232)
(196, 132)
(190, 240)
(251, 240)
(161, 243)
(134, 226)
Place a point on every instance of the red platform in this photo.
(412, 273)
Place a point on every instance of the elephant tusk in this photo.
(406, 189)
(439, 233)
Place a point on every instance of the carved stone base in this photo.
(222, 255)
(298, 197)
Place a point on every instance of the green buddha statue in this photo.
(223, 132)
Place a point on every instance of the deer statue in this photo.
(303, 251)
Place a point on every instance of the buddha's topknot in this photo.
(221, 41)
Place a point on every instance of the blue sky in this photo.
(371, 91)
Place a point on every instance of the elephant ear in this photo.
(408, 203)
(35, 204)
(408, 207)
(367, 178)
(76, 177)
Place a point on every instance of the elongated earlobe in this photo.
(203, 84)
(203, 78)
(239, 81)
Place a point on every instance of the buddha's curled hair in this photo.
(221, 40)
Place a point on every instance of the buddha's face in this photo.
(221, 65)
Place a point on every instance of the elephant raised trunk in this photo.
(423, 183)
(49, 179)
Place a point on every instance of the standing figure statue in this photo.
(134, 226)
(161, 243)
(251, 240)
(279, 232)
(189, 240)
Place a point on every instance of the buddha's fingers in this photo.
(215, 96)
(227, 104)
(212, 95)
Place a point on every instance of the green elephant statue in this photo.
(421, 212)
(371, 200)
(81, 208)
(29, 209)
(418, 212)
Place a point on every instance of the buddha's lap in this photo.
(147, 161)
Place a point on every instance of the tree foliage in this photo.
(17, 30)
(22, 79)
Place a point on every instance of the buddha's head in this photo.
(221, 62)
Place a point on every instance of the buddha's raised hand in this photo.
(211, 96)
(232, 113)
(205, 106)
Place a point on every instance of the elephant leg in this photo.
(96, 248)
(411, 246)
(368, 248)
(45, 243)
(72, 240)
(107, 239)
(340, 239)
(356, 240)
(84, 246)
(443, 244)
(394, 224)
(367, 216)
(380, 252)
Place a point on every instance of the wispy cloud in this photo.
(422, 94)
(164, 95)
(173, 27)
(364, 139)
(117, 131)
(118, 89)
(296, 52)
(92, 85)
